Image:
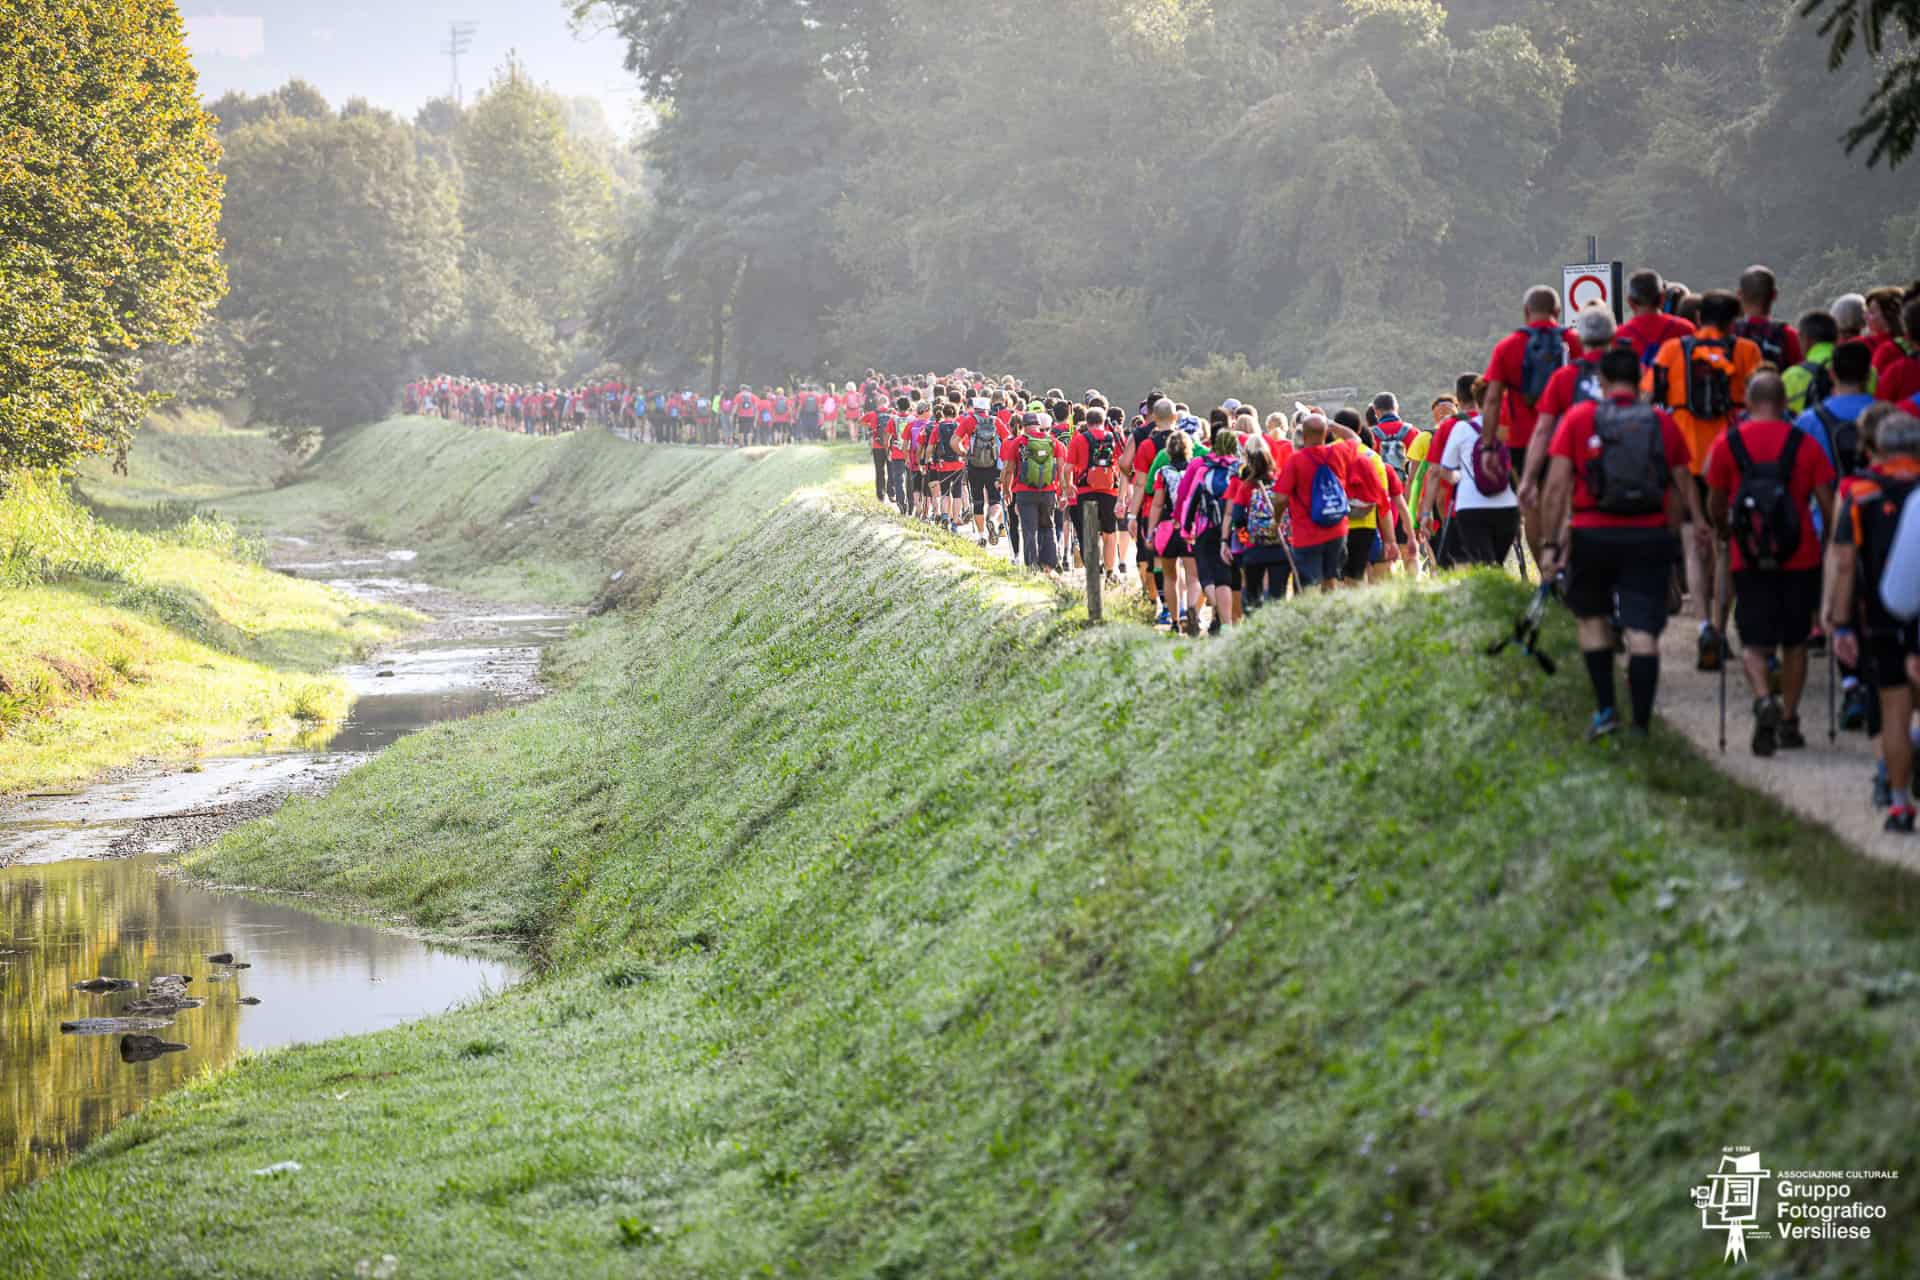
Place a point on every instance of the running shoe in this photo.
(1788, 737)
(1165, 619)
(1900, 820)
(1605, 725)
(1712, 650)
(1882, 792)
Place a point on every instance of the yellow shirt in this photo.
(1371, 520)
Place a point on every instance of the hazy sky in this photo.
(392, 53)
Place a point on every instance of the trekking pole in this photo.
(1723, 703)
(1833, 706)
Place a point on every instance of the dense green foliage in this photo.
(899, 925)
(1342, 191)
(364, 248)
(1888, 34)
(108, 211)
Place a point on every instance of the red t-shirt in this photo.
(1575, 441)
(1646, 332)
(1791, 350)
(958, 462)
(1558, 397)
(1900, 377)
(1811, 469)
(1507, 366)
(1080, 460)
(1296, 481)
(870, 423)
(1010, 454)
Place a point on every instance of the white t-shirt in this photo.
(1458, 459)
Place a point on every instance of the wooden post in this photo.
(1092, 552)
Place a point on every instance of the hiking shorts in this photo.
(1107, 511)
(1775, 609)
(985, 484)
(1884, 654)
(1363, 548)
(1632, 565)
(1215, 571)
(947, 483)
(1319, 563)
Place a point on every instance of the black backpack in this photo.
(1545, 355)
(1844, 436)
(1709, 388)
(943, 441)
(1587, 387)
(1630, 474)
(1769, 335)
(1875, 516)
(1765, 517)
(810, 405)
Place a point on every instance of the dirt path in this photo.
(1828, 783)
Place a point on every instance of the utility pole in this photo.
(459, 41)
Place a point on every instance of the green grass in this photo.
(515, 517)
(182, 459)
(117, 645)
(893, 923)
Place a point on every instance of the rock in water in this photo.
(146, 1048)
(168, 1005)
(249, 999)
(224, 957)
(99, 986)
(111, 1026)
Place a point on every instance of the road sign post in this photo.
(1586, 283)
(1092, 553)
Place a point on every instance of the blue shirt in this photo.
(1844, 408)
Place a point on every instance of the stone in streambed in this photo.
(100, 986)
(146, 1048)
(224, 957)
(249, 999)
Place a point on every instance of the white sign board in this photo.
(1586, 283)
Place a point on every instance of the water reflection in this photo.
(64, 923)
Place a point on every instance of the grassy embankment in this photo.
(120, 643)
(899, 926)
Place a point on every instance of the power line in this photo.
(459, 41)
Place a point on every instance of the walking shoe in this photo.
(1766, 726)
(1190, 622)
(1882, 792)
(1853, 708)
(1789, 737)
(1605, 725)
(1900, 820)
(1214, 628)
(1165, 619)
(1713, 650)
(993, 534)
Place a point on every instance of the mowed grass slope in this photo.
(897, 925)
(116, 645)
(518, 517)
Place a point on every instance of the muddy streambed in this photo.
(83, 896)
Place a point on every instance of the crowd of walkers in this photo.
(770, 416)
(1702, 451)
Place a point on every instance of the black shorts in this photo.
(947, 482)
(1107, 506)
(1885, 654)
(1360, 548)
(1215, 570)
(1775, 609)
(985, 483)
(1632, 565)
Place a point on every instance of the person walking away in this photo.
(946, 467)
(1257, 516)
(1616, 484)
(1517, 374)
(1201, 509)
(1811, 381)
(1032, 463)
(878, 424)
(1486, 509)
(746, 413)
(1170, 548)
(809, 414)
(1093, 458)
(1367, 495)
(1652, 324)
(981, 440)
(1863, 630)
(899, 478)
(1702, 382)
(1403, 447)
(1437, 493)
(1778, 342)
(1577, 382)
(1314, 483)
(1150, 441)
(1764, 480)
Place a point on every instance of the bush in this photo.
(46, 536)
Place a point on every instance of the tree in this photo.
(296, 98)
(109, 214)
(1891, 119)
(344, 252)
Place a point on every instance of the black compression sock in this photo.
(1160, 585)
(1600, 671)
(1643, 679)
